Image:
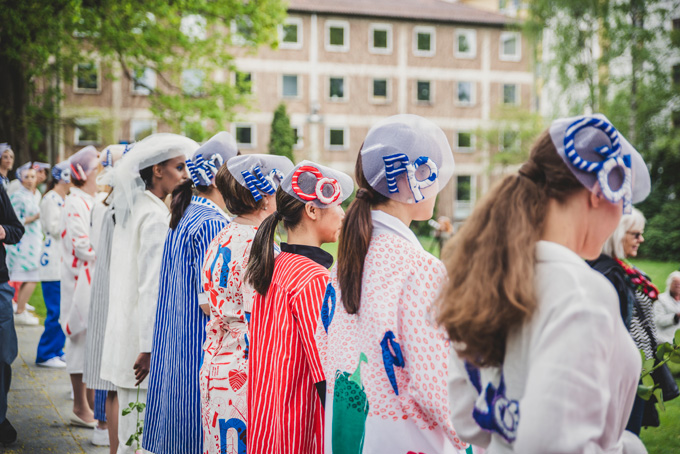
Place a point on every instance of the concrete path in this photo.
(39, 405)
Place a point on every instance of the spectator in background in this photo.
(667, 309)
(6, 163)
(11, 231)
(23, 259)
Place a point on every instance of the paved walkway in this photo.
(39, 405)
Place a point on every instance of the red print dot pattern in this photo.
(399, 286)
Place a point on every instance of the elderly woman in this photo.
(636, 295)
(23, 259)
(667, 309)
(6, 163)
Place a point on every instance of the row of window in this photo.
(380, 41)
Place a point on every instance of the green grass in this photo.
(657, 271)
(664, 439)
(37, 300)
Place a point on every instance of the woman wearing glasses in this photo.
(637, 294)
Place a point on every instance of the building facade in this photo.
(340, 67)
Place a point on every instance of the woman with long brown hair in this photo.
(286, 384)
(542, 361)
(384, 359)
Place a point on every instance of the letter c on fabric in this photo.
(391, 360)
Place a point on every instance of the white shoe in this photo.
(25, 319)
(30, 308)
(55, 363)
(100, 437)
(14, 306)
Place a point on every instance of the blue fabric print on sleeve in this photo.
(326, 312)
(390, 360)
(501, 414)
(225, 253)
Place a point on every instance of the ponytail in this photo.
(181, 198)
(491, 260)
(355, 236)
(260, 268)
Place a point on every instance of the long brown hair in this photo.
(238, 199)
(261, 263)
(181, 198)
(491, 260)
(355, 236)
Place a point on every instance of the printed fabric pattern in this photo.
(25, 255)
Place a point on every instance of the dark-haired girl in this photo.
(542, 360)
(384, 358)
(173, 413)
(286, 381)
(248, 186)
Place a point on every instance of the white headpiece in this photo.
(260, 173)
(321, 185)
(207, 160)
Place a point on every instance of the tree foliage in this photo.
(282, 138)
(42, 40)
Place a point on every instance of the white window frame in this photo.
(194, 71)
(472, 38)
(296, 45)
(433, 41)
(327, 40)
(469, 204)
(371, 35)
(297, 88)
(518, 94)
(415, 92)
(473, 93)
(142, 92)
(345, 89)
(97, 90)
(154, 126)
(301, 139)
(388, 95)
(253, 135)
(345, 138)
(87, 121)
(456, 141)
(517, 56)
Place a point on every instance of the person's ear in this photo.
(157, 171)
(312, 211)
(596, 197)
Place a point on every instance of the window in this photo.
(509, 7)
(242, 31)
(87, 131)
(676, 74)
(337, 36)
(194, 26)
(86, 79)
(243, 82)
(510, 94)
(509, 141)
(464, 141)
(192, 82)
(510, 46)
(336, 138)
(380, 91)
(336, 90)
(245, 135)
(290, 34)
(380, 38)
(465, 94)
(289, 86)
(143, 81)
(463, 196)
(424, 41)
(466, 43)
(297, 130)
(140, 129)
(423, 91)
(676, 24)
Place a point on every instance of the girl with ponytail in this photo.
(173, 412)
(542, 361)
(385, 360)
(286, 382)
(248, 184)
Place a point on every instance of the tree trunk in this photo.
(14, 99)
(637, 15)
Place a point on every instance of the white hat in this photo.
(207, 160)
(19, 172)
(404, 154)
(40, 165)
(4, 147)
(596, 152)
(260, 173)
(83, 162)
(150, 151)
(311, 182)
(62, 171)
(108, 157)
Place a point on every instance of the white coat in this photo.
(51, 207)
(665, 310)
(569, 375)
(136, 254)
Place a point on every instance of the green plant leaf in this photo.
(662, 349)
(676, 338)
(127, 411)
(130, 440)
(648, 381)
(675, 357)
(645, 392)
(648, 364)
(658, 393)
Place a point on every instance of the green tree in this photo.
(42, 40)
(282, 138)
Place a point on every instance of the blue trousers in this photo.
(100, 405)
(53, 338)
(8, 345)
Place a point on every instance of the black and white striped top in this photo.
(642, 326)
